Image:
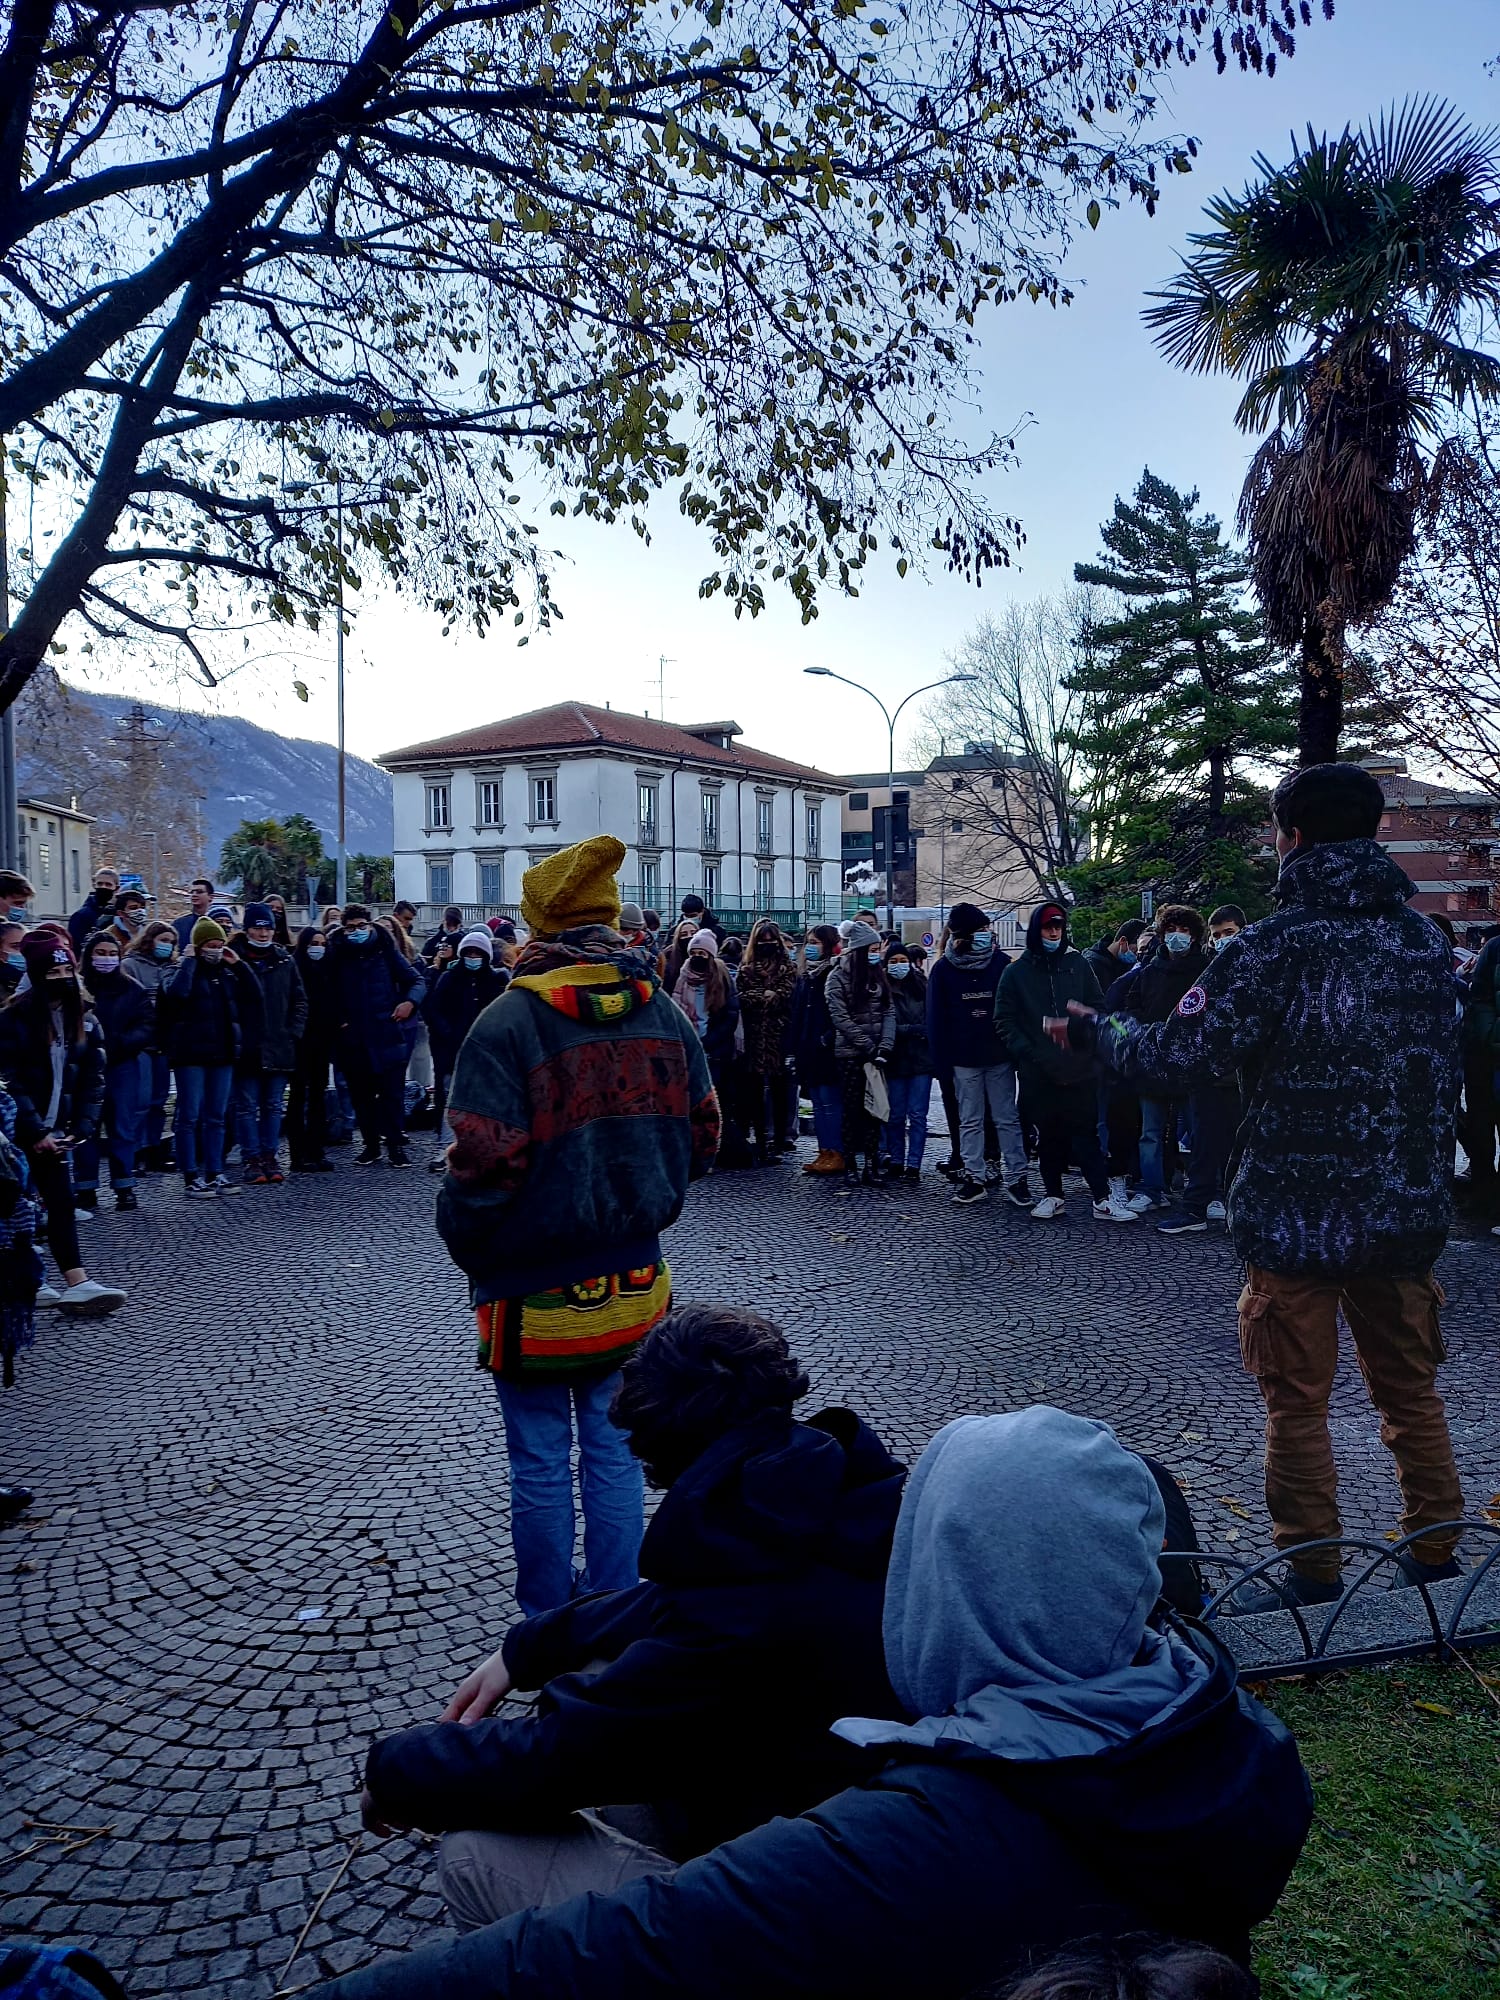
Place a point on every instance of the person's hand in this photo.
(882, 1058)
(481, 1693)
(1055, 1027)
(50, 1142)
(370, 1817)
(231, 957)
(403, 1012)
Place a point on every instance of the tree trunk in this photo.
(1320, 710)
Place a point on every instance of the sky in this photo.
(1102, 405)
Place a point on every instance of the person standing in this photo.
(52, 1062)
(706, 994)
(909, 1072)
(307, 1114)
(1150, 996)
(15, 893)
(1060, 1097)
(1339, 1008)
(864, 1030)
(1109, 957)
(125, 921)
(445, 938)
(150, 960)
(12, 964)
(810, 1038)
(581, 1108)
(459, 998)
(126, 1013)
(94, 911)
(201, 894)
(766, 983)
(376, 991)
(1215, 1109)
(268, 1057)
(1481, 1063)
(965, 1038)
(202, 1008)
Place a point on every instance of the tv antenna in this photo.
(660, 684)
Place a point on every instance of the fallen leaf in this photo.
(1236, 1507)
(1231, 1534)
(1432, 1708)
(1393, 1534)
(1191, 1437)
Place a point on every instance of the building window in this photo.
(44, 863)
(815, 892)
(711, 883)
(650, 884)
(491, 884)
(859, 802)
(77, 874)
(543, 801)
(711, 820)
(765, 888)
(489, 802)
(646, 798)
(440, 881)
(815, 829)
(956, 826)
(439, 809)
(765, 826)
(1478, 896)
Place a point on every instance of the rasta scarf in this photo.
(589, 974)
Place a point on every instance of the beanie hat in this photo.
(477, 940)
(502, 927)
(260, 913)
(703, 941)
(632, 918)
(44, 949)
(574, 887)
(206, 931)
(859, 934)
(1052, 913)
(966, 918)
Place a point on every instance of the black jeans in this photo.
(1067, 1121)
(306, 1109)
(1216, 1119)
(53, 1179)
(861, 1133)
(379, 1094)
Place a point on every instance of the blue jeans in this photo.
(906, 1130)
(1158, 1123)
(198, 1129)
(259, 1104)
(828, 1116)
(126, 1086)
(539, 1419)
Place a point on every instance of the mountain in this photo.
(241, 770)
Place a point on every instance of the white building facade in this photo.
(696, 810)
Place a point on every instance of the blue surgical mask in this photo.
(1127, 956)
(15, 961)
(1220, 942)
(812, 952)
(900, 969)
(981, 944)
(1177, 940)
(359, 934)
(316, 951)
(1052, 944)
(161, 948)
(472, 961)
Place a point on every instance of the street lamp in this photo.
(948, 680)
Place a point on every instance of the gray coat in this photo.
(861, 1029)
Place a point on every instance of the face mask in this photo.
(316, 951)
(981, 944)
(1127, 956)
(15, 961)
(1177, 940)
(161, 948)
(211, 953)
(812, 953)
(899, 970)
(260, 944)
(472, 961)
(133, 920)
(1220, 942)
(360, 934)
(105, 965)
(697, 968)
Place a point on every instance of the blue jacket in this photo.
(961, 1014)
(1338, 1012)
(769, 1553)
(939, 1874)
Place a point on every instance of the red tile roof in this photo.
(577, 725)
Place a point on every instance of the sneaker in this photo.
(1118, 1190)
(911, 1175)
(47, 1295)
(1140, 1201)
(1415, 1571)
(1049, 1208)
(438, 1164)
(256, 1175)
(14, 1500)
(199, 1189)
(1297, 1589)
(85, 1214)
(274, 1176)
(90, 1299)
(969, 1190)
(951, 1170)
(370, 1157)
(226, 1186)
(399, 1157)
(1110, 1210)
(1019, 1193)
(1182, 1222)
(851, 1177)
(125, 1201)
(1217, 1212)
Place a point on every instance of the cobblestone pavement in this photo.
(272, 1507)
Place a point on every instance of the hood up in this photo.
(1342, 875)
(1022, 1576)
(1034, 928)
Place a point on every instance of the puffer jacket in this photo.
(1037, 984)
(1338, 1012)
(367, 982)
(810, 1035)
(862, 1029)
(271, 1045)
(26, 1068)
(911, 1054)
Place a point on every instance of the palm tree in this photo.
(1346, 289)
(255, 855)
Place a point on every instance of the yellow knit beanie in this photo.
(575, 887)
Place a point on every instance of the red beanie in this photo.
(44, 949)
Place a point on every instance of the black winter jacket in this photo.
(1038, 984)
(1150, 993)
(26, 1067)
(202, 1010)
(455, 1003)
(911, 1053)
(368, 982)
(961, 1013)
(809, 1035)
(277, 1026)
(935, 1877)
(1338, 1010)
(127, 1014)
(1482, 1014)
(758, 1626)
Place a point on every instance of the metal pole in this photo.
(341, 876)
(890, 827)
(10, 823)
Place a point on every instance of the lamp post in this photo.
(948, 680)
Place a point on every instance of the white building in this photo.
(696, 809)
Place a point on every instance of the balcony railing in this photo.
(764, 844)
(648, 835)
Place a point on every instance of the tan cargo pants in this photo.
(1289, 1342)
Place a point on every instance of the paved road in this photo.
(272, 1512)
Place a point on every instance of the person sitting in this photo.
(1137, 1968)
(1073, 1764)
(757, 1626)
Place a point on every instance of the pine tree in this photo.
(1185, 663)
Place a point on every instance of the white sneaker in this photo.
(1118, 1191)
(90, 1298)
(1049, 1208)
(1114, 1211)
(1217, 1212)
(48, 1295)
(85, 1215)
(226, 1186)
(1141, 1202)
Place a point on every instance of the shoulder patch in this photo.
(1193, 1001)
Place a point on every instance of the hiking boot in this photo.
(1182, 1222)
(1110, 1210)
(1019, 1193)
(969, 1190)
(1296, 1590)
(827, 1162)
(1049, 1208)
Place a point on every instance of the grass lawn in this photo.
(1397, 1894)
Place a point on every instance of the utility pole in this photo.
(10, 810)
(342, 876)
